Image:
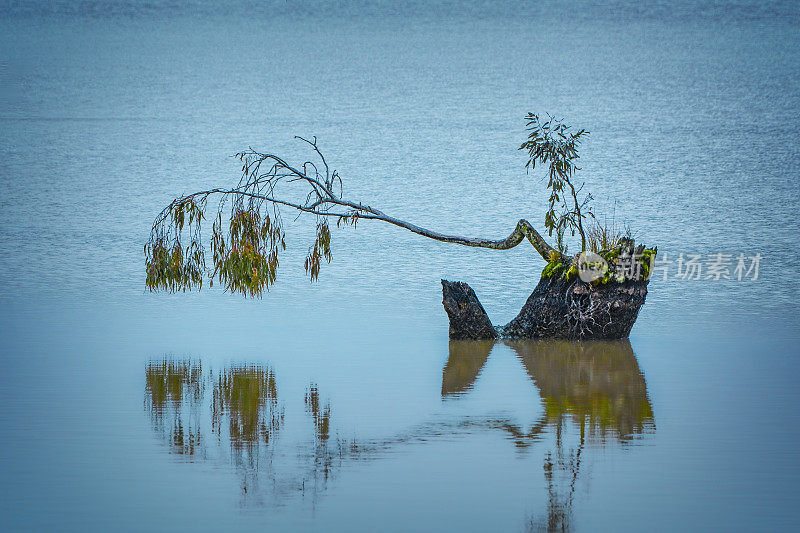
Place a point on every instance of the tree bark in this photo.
(468, 319)
(523, 230)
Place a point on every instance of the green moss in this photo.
(570, 272)
(646, 259)
(605, 278)
(566, 270)
(553, 269)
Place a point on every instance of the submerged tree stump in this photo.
(468, 319)
(556, 309)
(595, 296)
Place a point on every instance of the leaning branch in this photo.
(524, 229)
(245, 257)
(360, 211)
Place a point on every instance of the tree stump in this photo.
(557, 308)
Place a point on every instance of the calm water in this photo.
(342, 405)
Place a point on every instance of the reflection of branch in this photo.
(426, 432)
(524, 439)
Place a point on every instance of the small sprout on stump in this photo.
(551, 142)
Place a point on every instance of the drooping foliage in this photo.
(169, 265)
(320, 250)
(248, 260)
(247, 233)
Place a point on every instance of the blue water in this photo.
(127, 410)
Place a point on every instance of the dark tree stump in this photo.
(556, 309)
(468, 319)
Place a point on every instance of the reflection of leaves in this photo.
(249, 397)
(168, 384)
(320, 413)
(165, 381)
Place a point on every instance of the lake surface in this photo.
(342, 405)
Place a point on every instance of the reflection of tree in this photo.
(320, 413)
(248, 396)
(591, 390)
(597, 386)
(168, 385)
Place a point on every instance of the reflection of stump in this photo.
(464, 364)
(556, 309)
(595, 382)
(598, 385)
